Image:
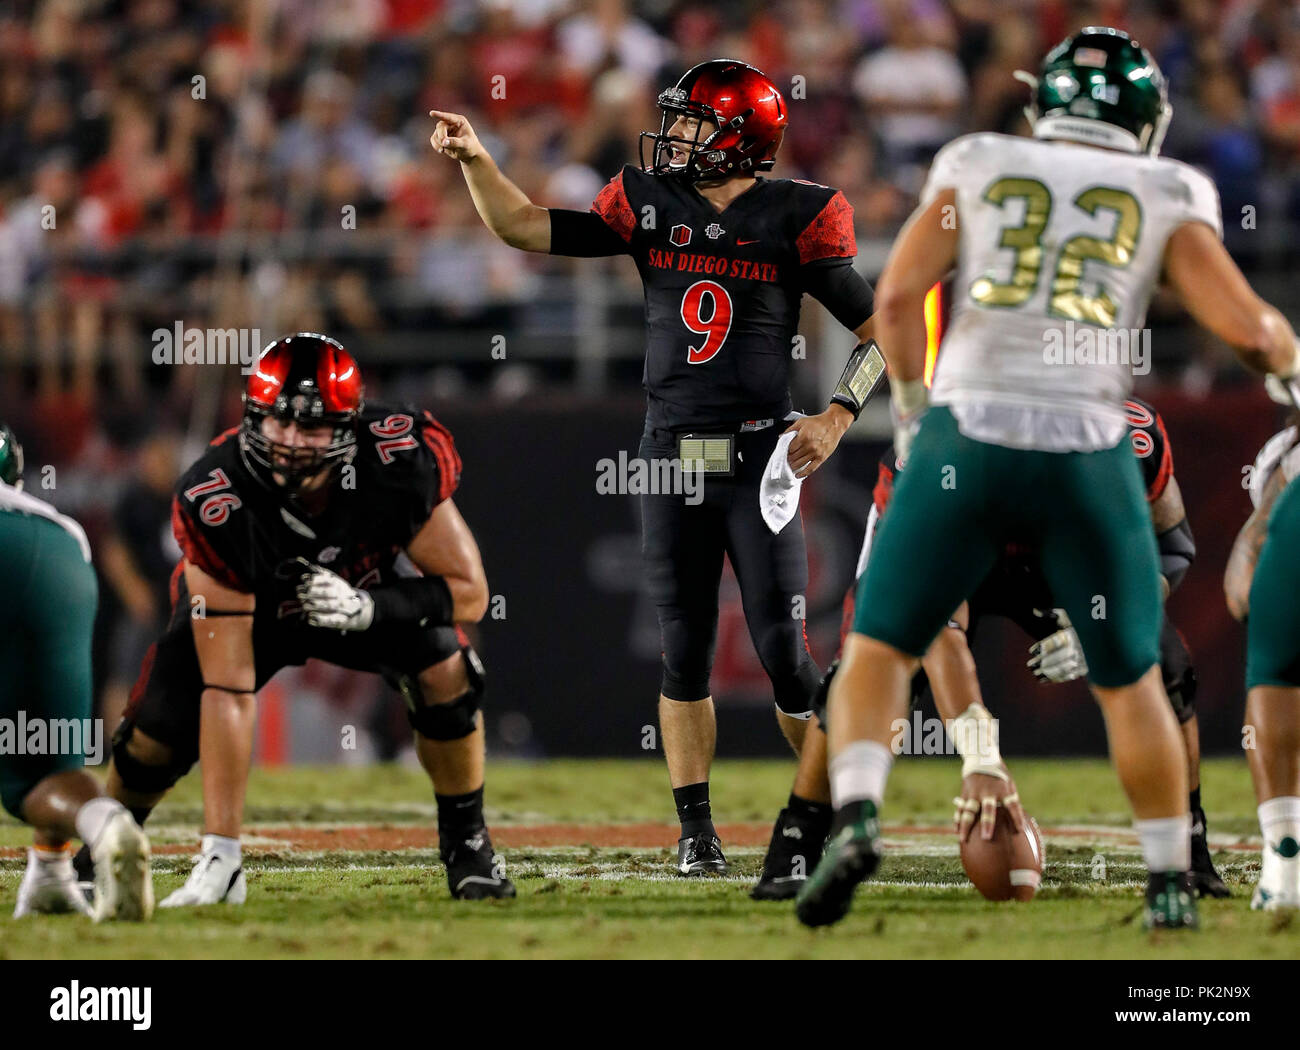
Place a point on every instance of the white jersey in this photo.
(14, 502)
(1060, 250)
(1280, 452)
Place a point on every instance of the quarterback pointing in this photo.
(725, 256)
(1076, 227)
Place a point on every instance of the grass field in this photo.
(342, 863)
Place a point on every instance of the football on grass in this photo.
(1010, 865)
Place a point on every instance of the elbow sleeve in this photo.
(583, 234)
(842, 290)
(1177, 552)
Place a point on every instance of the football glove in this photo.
(1059, 656)
(1283, 391)
(328, 600)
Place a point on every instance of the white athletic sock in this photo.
(1280, 817)
(1166, 842)
(859, 773)
(92, 817)
(223, 847)
(49, 855)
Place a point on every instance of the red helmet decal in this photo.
(339, 380)
(307, 362)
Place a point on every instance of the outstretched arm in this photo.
(503, 206)
(924, 252)
(1218, 296)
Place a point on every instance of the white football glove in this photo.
(1059, 656)
(1283, 391)
(328, 600)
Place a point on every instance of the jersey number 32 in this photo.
(1065, 297)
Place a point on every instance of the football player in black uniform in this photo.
(725, 257)
(1017, 590)
(320, 527)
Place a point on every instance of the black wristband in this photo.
(421, 600)
(1177, 552)
(863, 373)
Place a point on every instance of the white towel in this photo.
(778, 494)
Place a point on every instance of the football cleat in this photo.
(1205, 880)
(851, 857)
(700, 855)
(1170, 903)
(123, 878)
(214, 879)
(49, 887)
(474, 870)
(1279, 879)
(794, 849)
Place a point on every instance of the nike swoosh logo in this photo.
(741, 243)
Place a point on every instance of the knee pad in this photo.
(453, 720)
(823, 692)
(684, 688)
(795, 693)
(782, 648)
(687, 659)
(1177, 673)
(140, 777)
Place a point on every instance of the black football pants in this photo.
(683, 546)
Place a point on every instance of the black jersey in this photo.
(723, 289)
(1146, 430)
(239, 529)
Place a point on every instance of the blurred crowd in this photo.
(265, 162)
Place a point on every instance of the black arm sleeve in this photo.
(418, 599)
(583, 234)
(840, 288)
(1177, 552)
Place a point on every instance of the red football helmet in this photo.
(742, 103)
(310, 380)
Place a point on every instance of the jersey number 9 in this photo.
(715, 328)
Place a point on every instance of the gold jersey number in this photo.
(1066, 298)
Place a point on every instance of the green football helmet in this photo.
(1102, 88)
(11, 458)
